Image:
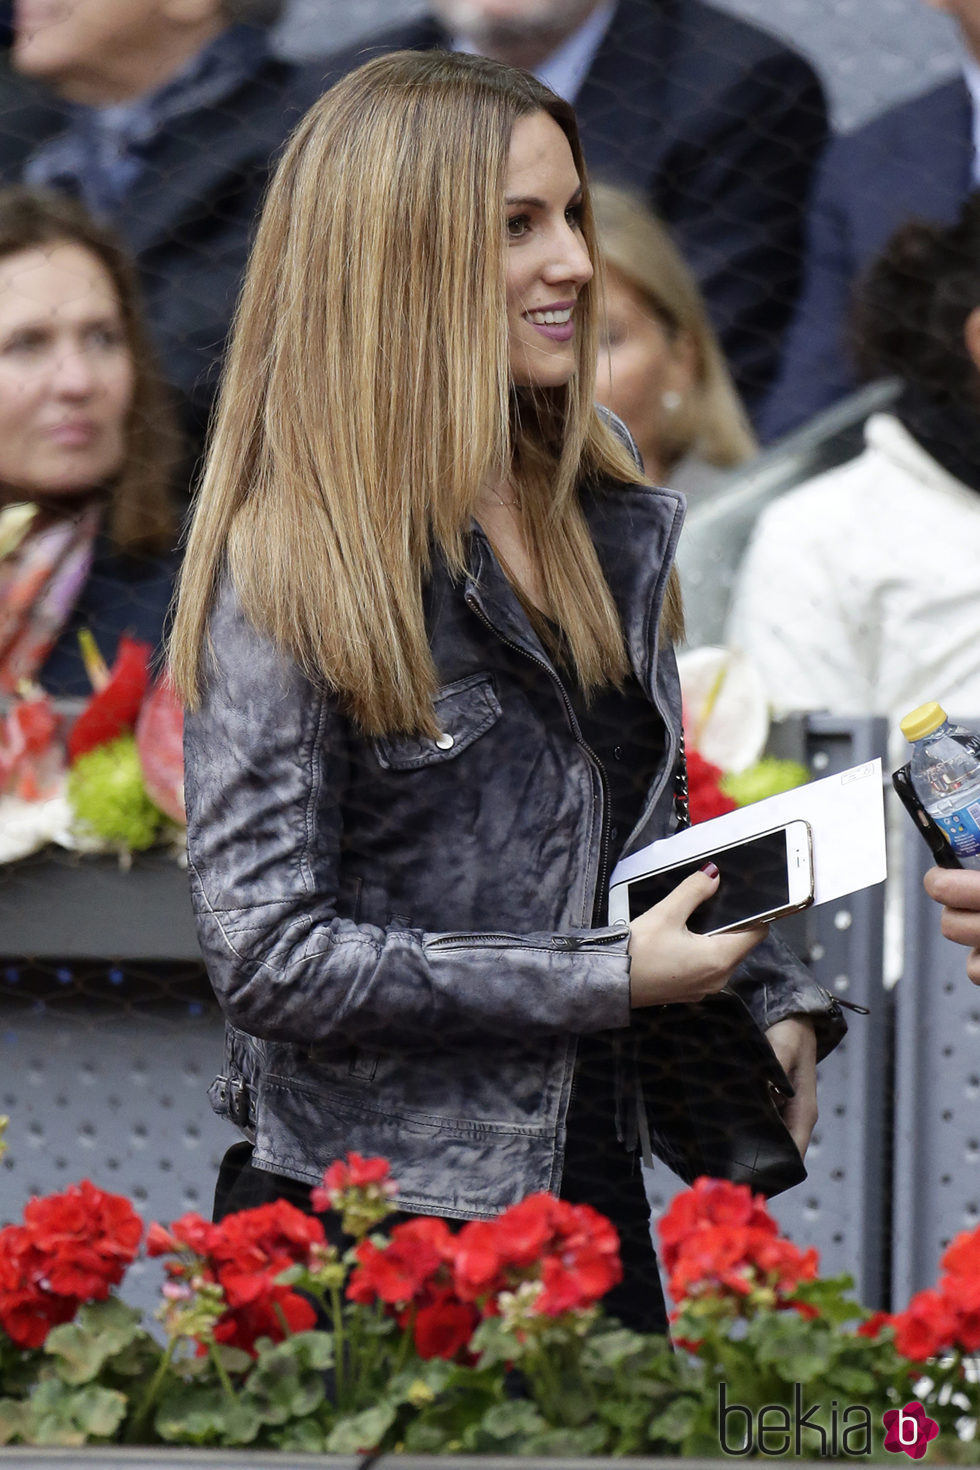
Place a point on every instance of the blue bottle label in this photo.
(963, 829)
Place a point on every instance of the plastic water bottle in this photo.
(945, 772)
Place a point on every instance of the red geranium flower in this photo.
(353, 1173)
(962, 1295)
(478, 1264)
(962, 1255)
(72, 1248)
(398, 1272)
(245, 1254)
(571, 1249)
(443, 1326)
(704, 795)
(926, 1327)
(263, 1314)
(719, 1237)
(711, 1202)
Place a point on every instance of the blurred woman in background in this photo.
(87, 448)
(660, 367)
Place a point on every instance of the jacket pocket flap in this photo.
(465, 709)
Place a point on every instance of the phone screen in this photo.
(754, 880)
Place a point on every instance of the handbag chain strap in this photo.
(682, 806)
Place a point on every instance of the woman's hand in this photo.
(668, 962)
(959, 892)
(794, 1041)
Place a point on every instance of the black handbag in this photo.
(710, 1085)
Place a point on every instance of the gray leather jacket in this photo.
(399, 930)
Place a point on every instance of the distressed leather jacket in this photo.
(400, 930)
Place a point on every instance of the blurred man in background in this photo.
(162, 116)
(918, 158)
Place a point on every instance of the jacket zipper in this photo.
(834, 1003)
(573, 722)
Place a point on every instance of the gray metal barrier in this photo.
(936, 1181)
(841, 1208)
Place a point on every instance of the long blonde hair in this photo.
(711, 421)
(367, 395)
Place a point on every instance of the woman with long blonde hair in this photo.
(661, 368)
(424, 639)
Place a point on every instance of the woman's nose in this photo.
(74, 376)
(571, 261)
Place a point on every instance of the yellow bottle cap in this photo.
(923, 721)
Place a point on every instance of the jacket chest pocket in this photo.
(465, 710)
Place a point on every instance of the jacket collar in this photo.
(635, 531)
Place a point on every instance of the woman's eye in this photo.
(24, 342)
(105, 337)
(518, 225)
(573, 214)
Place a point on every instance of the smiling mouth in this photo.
(553, 317)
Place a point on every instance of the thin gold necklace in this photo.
(515, 504)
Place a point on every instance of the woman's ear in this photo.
(971, 336)
(680, 371)
(194, 12)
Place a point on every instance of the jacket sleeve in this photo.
(266, 761)
(775, 985)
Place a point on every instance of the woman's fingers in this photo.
(668, 962)
(681, 901)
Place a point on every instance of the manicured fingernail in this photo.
(710, 869)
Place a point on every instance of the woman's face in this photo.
(547, 262)
(640, 361)
(66, 372)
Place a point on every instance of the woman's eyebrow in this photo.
(535, 203)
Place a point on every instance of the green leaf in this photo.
(287, 1381)
(62, 1415)
(305, 1437)
(617, 1347)
(855, 1383)
(204, 1414)
(360, 1432)
(427, 1438)
(830, 1297)
(14, 1415)
(591, 1439)
(233, 1360)
(100, 1332)
(506, 1426)
(676, 1421)
(494, 1343)
(797, 1349)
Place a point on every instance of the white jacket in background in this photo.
(860, 590)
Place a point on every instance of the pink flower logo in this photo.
(909, 1430)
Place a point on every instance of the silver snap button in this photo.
(445, 741)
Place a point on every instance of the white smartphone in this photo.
(763, 877)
